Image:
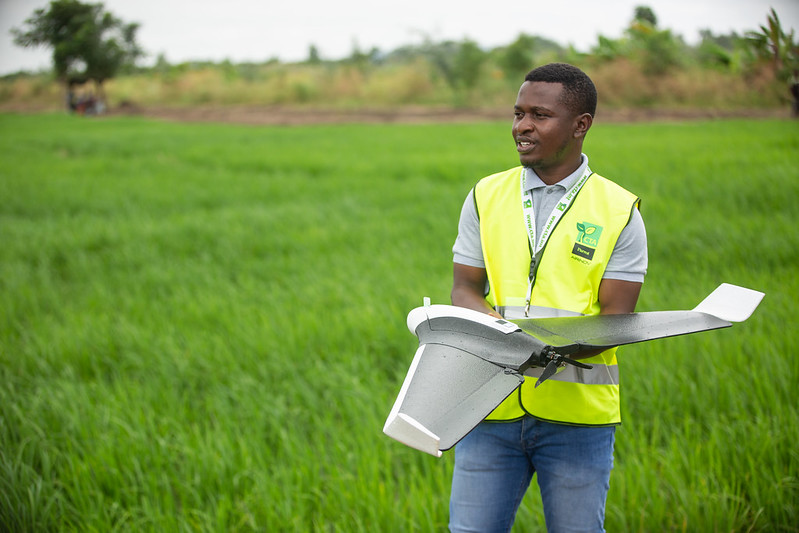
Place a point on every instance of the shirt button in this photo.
(550, 191)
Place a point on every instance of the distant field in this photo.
(202, 326)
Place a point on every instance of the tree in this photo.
(645, 14)
(658, 51)
(313, 55)
(468, 63)
(88, 42)
(358, 58)
(608, 49)
(718, 51)
(772, 44)
(517, 58)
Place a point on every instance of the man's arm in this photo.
(617, 297)
(468, 289)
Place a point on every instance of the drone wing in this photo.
(467, 363)
(727, 304)
(446, 393)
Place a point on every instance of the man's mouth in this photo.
(524, 145)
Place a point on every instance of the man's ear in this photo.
(582, 124)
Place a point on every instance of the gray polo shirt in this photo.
(628, 262)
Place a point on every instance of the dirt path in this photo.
(408, 115)
(288, 116)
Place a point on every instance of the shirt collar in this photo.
(532, 181)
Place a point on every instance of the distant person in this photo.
(548, 233)
(72, 101)
(795, 93)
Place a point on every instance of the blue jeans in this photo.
(495, 463)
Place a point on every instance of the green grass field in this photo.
(202, 327)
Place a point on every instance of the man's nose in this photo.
(523, 124)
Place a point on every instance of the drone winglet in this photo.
(731, 303)
(411, 432)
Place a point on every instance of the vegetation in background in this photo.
(647, 67)
(88, 43)
(202, 327)
(774, 45)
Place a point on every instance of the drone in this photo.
(468, 362)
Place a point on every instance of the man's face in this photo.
(544, 129)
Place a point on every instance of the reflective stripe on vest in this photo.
(568, 277)
(599, 375)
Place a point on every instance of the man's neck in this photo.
(551, 176)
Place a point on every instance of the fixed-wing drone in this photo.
(468, 362)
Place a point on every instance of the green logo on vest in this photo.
(587, 240)
(589, 233)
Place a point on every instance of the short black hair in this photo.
(579, 92)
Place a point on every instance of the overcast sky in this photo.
(257, 30)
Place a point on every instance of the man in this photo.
(548, 234)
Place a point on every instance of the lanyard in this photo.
(537, 244)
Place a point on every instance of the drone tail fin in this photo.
(730, 302)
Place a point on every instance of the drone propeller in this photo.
(554, 362)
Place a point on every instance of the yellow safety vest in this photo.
(568, 276)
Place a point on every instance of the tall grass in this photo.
(621, 84)
(202, 326)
